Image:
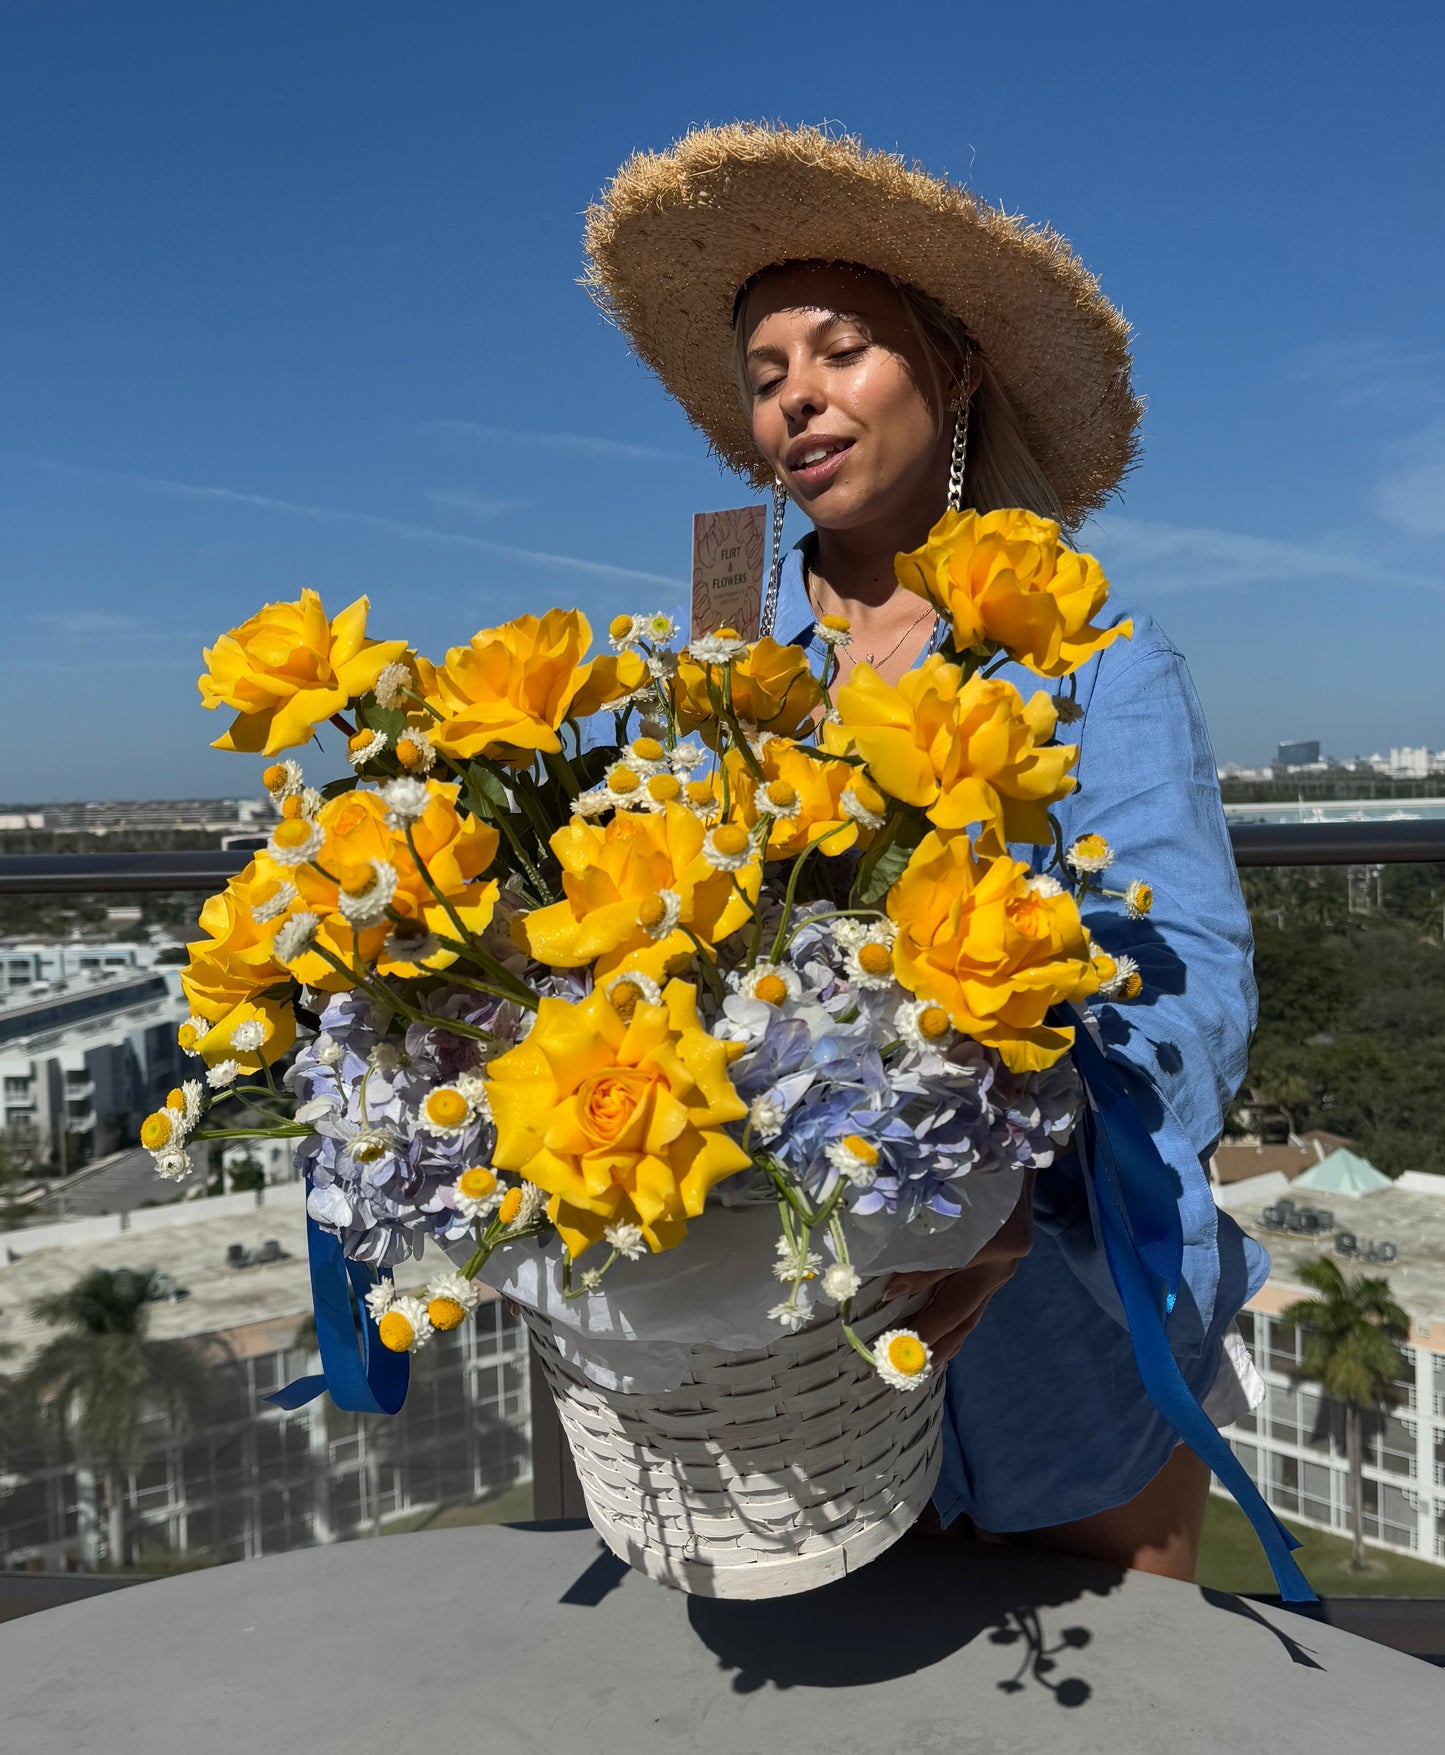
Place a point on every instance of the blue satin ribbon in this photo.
(1144, 1246)
(365, 1380)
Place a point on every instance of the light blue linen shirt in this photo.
(1047, 1419)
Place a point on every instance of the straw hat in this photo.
(677, 233)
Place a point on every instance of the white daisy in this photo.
(249, 1035)
(686, 757)
(365, 747)
(1125, 982)
(1138, 899)
(295, 841)
(869, 963)
(1044, 885)
(477, 1193)
(660, 667)
(853, 807)
(1091, 853)
(658, 915)
(766, 1117)
(450, 1300)
(391, 686)
(312, 799)
(592, 803)
(624, 631)
(848, 933)
(328, 1050)
(728, 847)
(283, 779)
(631, 989)
(406, 801)
(795, 1261)
(272, 907)
(627, 1240)
(774, 984)
(840, 1282)
(833, 630)
(659, 628)
(924, 1025)
(719, 648)
(295, 936)
(534, 1205)
(415, 750)
(387, 1058)
(173, 1165)
(404, 1326)
(902, 1358)
(223, 1073)
(367, 906)
(855, 1159)
(645, 755)
(445, 1113)
(792, 1313)
(369, 1145)
(380, 1298)
(591, 1279)
(777, 799)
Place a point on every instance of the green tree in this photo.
(102, 1375)
(1350, 1335)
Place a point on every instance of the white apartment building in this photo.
(85, 1055)
(250, 1478)
(1293, 1445)
(27, 963)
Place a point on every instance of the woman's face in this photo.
(836, 378)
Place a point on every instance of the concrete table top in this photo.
(537, 1640)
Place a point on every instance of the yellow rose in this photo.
(970, 754)
(1004, 580)
(363, 857)
(504, 695)
(234, 961)
(616, 880)
(996, 953)
(605, 680)
(772, 688)
(288, 670)
(620, 1121)
(807, 789)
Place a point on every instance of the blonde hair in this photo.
(1001, 469)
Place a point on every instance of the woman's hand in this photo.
(961, 1295)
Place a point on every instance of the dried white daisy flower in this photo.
(415, 750)
(902, 1358)
(296, 841)
(728, 847)
(406, 801)
(404, 1325)
(477, 1193)
(773, 983)
(766, 1117)
(295, 936)
(592, 803)
(365, 747)
(445, 1113)
(792, 1313)
(840, 1282)
(833, 630)
(1091, 853)
(719, 648)
(365, 893)
(923, 1025)
(626, 1239)
(273, 906)
(392, 686)
(1138, 899)
(222, 1074)
(854, 1158)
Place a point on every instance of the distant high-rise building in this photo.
(1298, 754)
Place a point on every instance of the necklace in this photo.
(868, 657)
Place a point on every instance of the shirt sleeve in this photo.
(1147, 784)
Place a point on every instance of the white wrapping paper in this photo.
(716, 1288)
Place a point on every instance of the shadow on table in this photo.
(910, 1609)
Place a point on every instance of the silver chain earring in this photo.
(775, 560)
(959, 459)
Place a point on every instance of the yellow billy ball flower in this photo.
(625, 997)
(648, 749)
(623, 781)
(445, 1313)
(411, 751)
(404, 1325)
(622, 627)
(906, 1354)
(770, 989)
(781, 795)
(701, 794)
(274, 777)
(155, 1131)
(933, 1023)
(477, 1183)
(187, 1036)
(862, 1149)
(1132, 985)
(875, 959)
(510, 1207)
(664, 788)
(292, 806)
(445, 1107)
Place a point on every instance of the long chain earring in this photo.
(775, 560)
(959, 459)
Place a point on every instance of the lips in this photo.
(813, 461)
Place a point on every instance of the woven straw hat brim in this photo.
(677, 233)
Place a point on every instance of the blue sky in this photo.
(287, 297)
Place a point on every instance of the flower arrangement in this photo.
(766, 937)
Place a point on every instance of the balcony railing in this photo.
(557, 1493)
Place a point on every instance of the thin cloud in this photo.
(473, 505)
(396, 527)
(1168, 558)
(1372, 370)
(583, 444)
(1412, 496)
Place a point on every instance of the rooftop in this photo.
(1410, 1213)
(189, 1245)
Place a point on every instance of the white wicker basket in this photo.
(764, 1473)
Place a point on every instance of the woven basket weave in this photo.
(763, 1473)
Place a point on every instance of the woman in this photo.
(874, 344)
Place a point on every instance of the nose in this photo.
(802, 396)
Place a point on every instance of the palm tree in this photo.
(102, 1375)
(1350, 1333)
